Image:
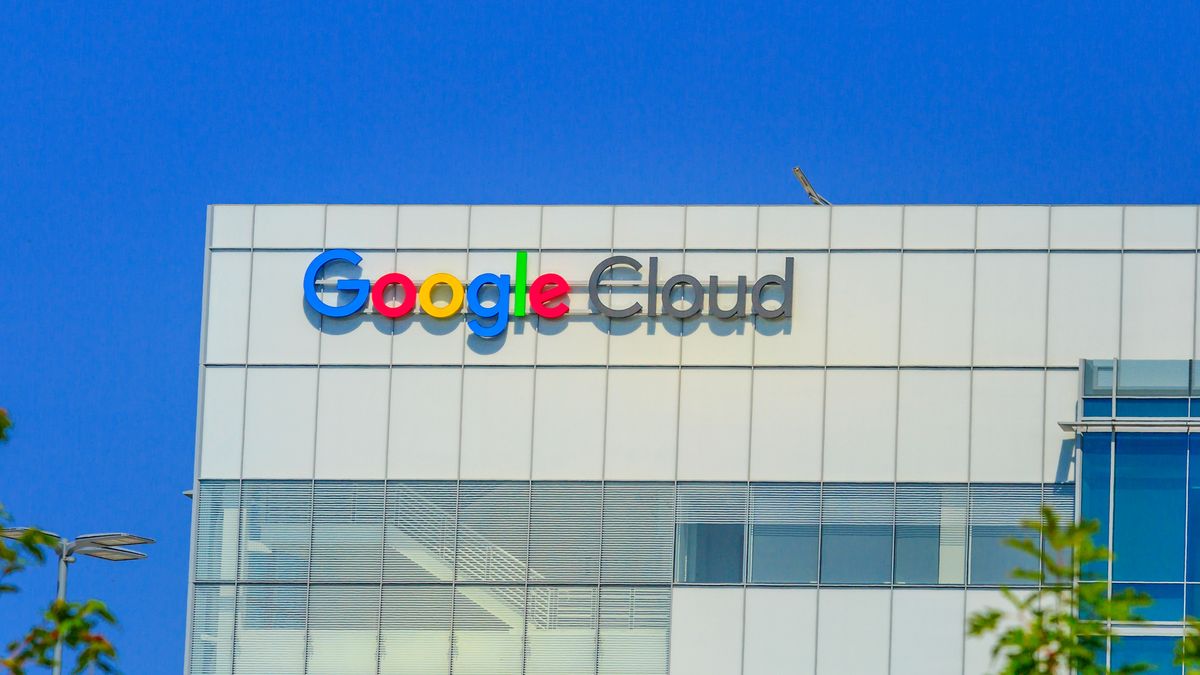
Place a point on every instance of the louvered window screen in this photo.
(276, 530)
(493, 531)
(489, 626)
(856, 533)
(270, 630)
(347, 531)
(212, 630)
(420, 531)
(996, 515)
(931, 534)
(560, 630)
(415, 630)
(784, 527)
(343, 630)
(564, 536)
(217, 531)
(710, 527)
(638, 533)
(634, 630)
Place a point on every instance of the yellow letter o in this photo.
(425, 295)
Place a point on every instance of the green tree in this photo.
(77, 623)
(1063, 624)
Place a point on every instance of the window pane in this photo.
(276, 531)
(1155, 651)
(856, 533)
(1167, 600)
(1097, 407)
(1148, 507)
(639, 533)
(415, 630)
(931, 534)
(347, 531)
(217, 531)
(489, 622)
(270, 630)
(784, 519)
(1098, 378)
(1153, 378)
(996, 515)
(1193, 516)
(564, 539)
(343, 630)
(710, 533)
(493, 531)
(212, 630)
(420, 531)
(634, 630)
(1152, 407)
(1095, 472)
(560, 630)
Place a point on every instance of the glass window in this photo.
(784, 525)
(560, 630)
(634, 630)
(931, 534)
(217, 531)
(856, 533)
(414, 630)
(212, 630)
(1148, 506)
(997, 513)
(343, 629)
(1059, 498)
(488, 625)
(1158, 652)
(1193, 516)
(1192, 597)
(1097, 407)
(1098, 377)
(419, 538)
(1167, 600)
(493, 531)
(638, 541)
(710, 533)
(1152, 407)
(564, 535)
(1151, 377)
(277, 530)
(270, 629)
(1095, 473)
(347, 531)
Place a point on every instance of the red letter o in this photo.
(406, 305)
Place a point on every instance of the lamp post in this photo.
(106, 546)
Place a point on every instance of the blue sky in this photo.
(119, 123)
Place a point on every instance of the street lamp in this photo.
(106, 546)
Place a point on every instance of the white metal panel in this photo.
(496, 432)
(637, 227)
(232, 225)
(281, 406)
(579, 337)
(864, 308)
(793, 227)
(518, 343)
(577, 227)
(721, 226)
(707, 339)
(420, 338)
(781, 631)
(939, 227)
(860, 425)
(1157, 305)
(867, 226)
(283, 328)
(365, 337)
(506, 226)
(787, 425)
(568, 423)
(1084, 307)
(426, 404)
(365, 226)
(706, 631)
(1010, 309)
(1013, 227)
(642, 339)
(221, 437)
(799, 340)
(852, 631)
(433, 226)
(352, 423)
(1160, 227)
(1062, 394)
(641, 425)
(934, 425)
(228, 307)
(1006, 426)
(977, 658)
(289, 225)
(1085, 227)
(714, 424)
(927, 632)
(935, 328)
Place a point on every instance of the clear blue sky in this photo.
(118, 124)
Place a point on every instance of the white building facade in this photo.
(702, 439)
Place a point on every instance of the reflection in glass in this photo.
(710, 533)
(1095, 475)
(1149, 506)
(784, 522)
(856, 533)
(1167, 600)
(931, 534)
(414, 630)
(997, 512)
(1156, 651)
(1150, 377)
